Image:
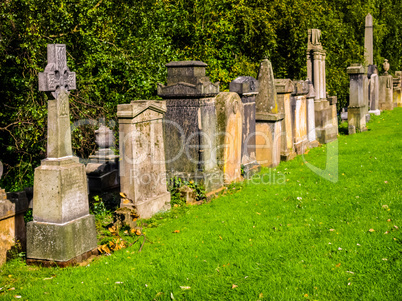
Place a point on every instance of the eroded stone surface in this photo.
(142, 153)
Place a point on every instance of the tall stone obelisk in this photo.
(62, 230)
(368, 40)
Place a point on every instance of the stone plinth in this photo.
(284, 89)
(386, 92)
(268, 118)
(333, 100)
(373, 90)
(142, 157)
(230, 113)
(247, 87)
(12, 225)
(299, 116)
(357, 109)
(62, 228)
(190, 124)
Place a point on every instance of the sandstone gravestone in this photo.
(386, 89)
(142, 157)
(102, 169)
(247, 87)
(12, 225)
(368, 40)
(284, 89)
(299, 115)
(325, 129)
(62, 229)
(373, 89)
(229, 113)
(357, 109)
(268, 118)
(190, 124)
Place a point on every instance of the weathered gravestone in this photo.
(229, 113)
(190, 124)
(268, 118)
(386, 89)
(247, 88)
(284, 89)
(299, 115)
(102, 169)
(325, 129)
(368, 40)
(373, 90)
(12, 225)
(311, 116)
(397, 96)
(358, 100)
(62, 229)
(142, 157)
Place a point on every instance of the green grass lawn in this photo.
(297, 236)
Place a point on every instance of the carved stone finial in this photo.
(385, 66)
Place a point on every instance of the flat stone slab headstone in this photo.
(142, 153)
(230, 113)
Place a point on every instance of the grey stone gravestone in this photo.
(386, 86)
(373, 89)
(357, 109)
(190, 124)
(142, 157)
(247, 87)
(102, 169)
(268, 118)
(325, 130)
(62, 229)
(368, 40)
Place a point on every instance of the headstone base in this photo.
(250, 169)
(61, 242)
(287, 156)
(212, 180)
(325, 129)
(356, 120)
(375, 112)
(312, 144)
(148, 207)
(386, 106)
(63, 264)
(326, 135)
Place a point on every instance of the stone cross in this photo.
(368, 39)
(58, 80)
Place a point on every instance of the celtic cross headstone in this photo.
(57, 80)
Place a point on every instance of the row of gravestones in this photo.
(370, 92)
(195, 133)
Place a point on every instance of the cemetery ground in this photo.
(288, 234)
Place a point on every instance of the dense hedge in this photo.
(118, 48)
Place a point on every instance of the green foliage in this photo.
(119, 48)
(97, 207)
(28, 217)
(176, 183)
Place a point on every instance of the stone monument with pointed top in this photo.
(368, 40)
(62, 231)
(269, 118)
